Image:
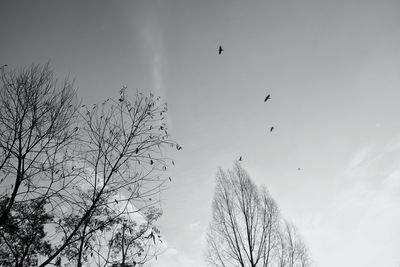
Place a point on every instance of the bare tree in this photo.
(242, 231)
(127, 238)
(136, 241)
(119, 159)
(78, 252)
(283, 251)
(246, 228)
(292, 250)
(271, 219)
(36, 115)
(74, 164)
(304, 258)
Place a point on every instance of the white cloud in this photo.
(194, 236)
(392, 182)
(360, 228)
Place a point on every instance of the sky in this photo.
(332, 69)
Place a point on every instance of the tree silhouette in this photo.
(246, 227)
(36, 115)
(119, 149)
(74, 165)
(135, 241)
(23, 237)
(243, 227)
(292, 251)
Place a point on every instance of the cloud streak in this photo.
(360, 228)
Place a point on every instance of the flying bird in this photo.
(272, 128)
(178, 147)
(267, 98)
(151, 162)
(170, 179)
(240, 159)
(220, 50)
(116, 201)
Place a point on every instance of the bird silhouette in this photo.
(116, 201)
(58, 262)
(267, 98)
(272, 128)
(240, 159)
(220, 50)
(170, 179)
(151, 162)
(151, 235)
(178, 147)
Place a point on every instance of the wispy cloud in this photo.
(153, 34)
(360, 228)
(360, 157)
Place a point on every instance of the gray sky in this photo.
(332, 69)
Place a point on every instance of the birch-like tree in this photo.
(244, 222)
(246, 228)
(292, 251)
